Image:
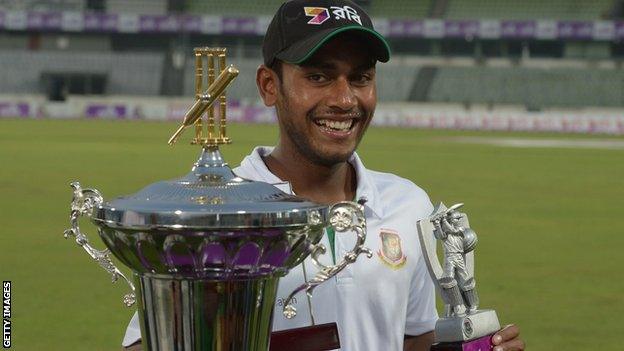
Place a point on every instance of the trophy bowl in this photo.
(206, 251)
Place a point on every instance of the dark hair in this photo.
(276, 67)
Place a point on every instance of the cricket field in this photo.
(549, 216)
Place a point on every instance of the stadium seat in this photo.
(396, 8)
(233, 7)
(528, 9)
(127, 73)
(401, 8)
(533, 87)
(42, 5)
(145, 7)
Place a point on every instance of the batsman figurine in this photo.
(463, 326)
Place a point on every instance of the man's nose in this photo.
(342, 95)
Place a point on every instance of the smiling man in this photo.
(319, 75)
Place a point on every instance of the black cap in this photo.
(300, 27)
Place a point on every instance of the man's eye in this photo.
(317, 78)
(362, 79)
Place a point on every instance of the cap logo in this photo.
(319, 14)
(347, 12)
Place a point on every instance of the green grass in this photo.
(549, 220)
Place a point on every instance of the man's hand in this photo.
(508, 339)
(418, 343)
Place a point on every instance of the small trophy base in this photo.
(482, 344)
(468, 327)
(320, 337)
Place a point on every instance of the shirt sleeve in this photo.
(421, 305)
(421, 309)
(133, 331)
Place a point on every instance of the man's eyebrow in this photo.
(365, 66)
(330, 66)
(319, 64)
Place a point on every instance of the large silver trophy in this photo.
(463, 327)
(206, 250)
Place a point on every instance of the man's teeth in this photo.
(343, 126)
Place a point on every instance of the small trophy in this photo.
(463, 327)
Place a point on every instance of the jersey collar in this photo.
(254, 167)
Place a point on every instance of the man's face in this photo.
(325, 105)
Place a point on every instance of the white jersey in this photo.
(376, 301)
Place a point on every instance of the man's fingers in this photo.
(507, 339)
(508, 332)
(514, 345)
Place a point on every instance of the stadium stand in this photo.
(42, 5)
(245, 87)
(146, 7)
(395, 81)
(126, 73)
(233, 7)
(160, 63)
(397, 8)
(528, 9)
(533, 87)
(401, 8)
(452, 9)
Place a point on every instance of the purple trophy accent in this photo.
(212, 254)
(481, 344)
(247, 256)
(276, 256)
(178, 255)
(143, 249)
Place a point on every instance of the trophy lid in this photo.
(211, 196)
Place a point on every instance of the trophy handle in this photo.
(83, 203)
(344, 216)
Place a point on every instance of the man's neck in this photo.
(318, 183)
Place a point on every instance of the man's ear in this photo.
(267, 82)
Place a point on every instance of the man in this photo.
(319, 74)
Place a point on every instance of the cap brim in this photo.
(303, 50)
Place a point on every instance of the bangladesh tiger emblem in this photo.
(391, 252)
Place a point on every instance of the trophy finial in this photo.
(204, 99)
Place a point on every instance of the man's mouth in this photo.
(335, 126)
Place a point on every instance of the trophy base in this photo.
(189, 315)
(468, 327)
(482, 344)
(314, 338)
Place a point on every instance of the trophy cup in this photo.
(206, 250)
(463, 327)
